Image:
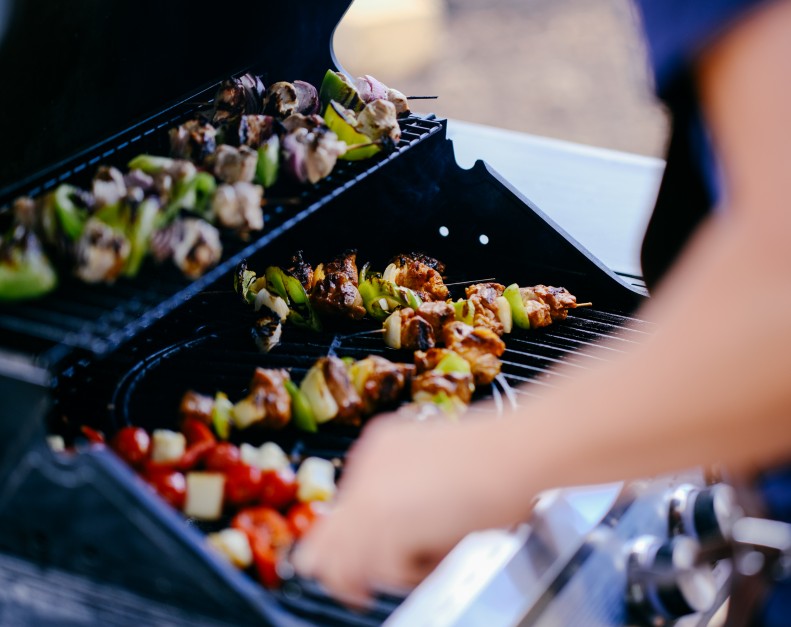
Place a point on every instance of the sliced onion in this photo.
(392, 328)
(504, 313)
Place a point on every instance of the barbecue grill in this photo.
(81, 531)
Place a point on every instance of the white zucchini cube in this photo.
(268, 456)
(167, 446)
(315, 480)
(233, 545)
(204, 495)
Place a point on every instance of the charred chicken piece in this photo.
(253, 130)
(419, 273)
(238, 96)
(335, 290)
(339, 382)
(370, 89)
(197, 406)
(267, 404)
(481, 348)
(238, 206)
(194, 140)
(232, 165)
(427, 386)
(428, 360)
(378, 121)
(558, 299)
(284, 99)
(267, 331)
(379, 382)
(483, 297)
(437, 314)
(192, 243)
(310, 155)
(109, 187)
(302, 271)
(101, 253)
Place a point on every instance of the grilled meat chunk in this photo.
(266, 332)
(254, 130)
(109, 187)
(268, 403)
(192, 243)
(484, 297)
(310, 155)
(335, 290)
(238, 96)
(238, 206)
(437, 314)
(558, 299)
(378, 121)
(302, 271)
(428, 385)
(284, 99)
(101, 253)
(379, 382)
(194, 140)
(479, 346)
(232, 165)
(485, 293)
(198, 406)
(428, 360)
(419, 273)
(339, 382)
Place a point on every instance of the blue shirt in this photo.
(677, 31)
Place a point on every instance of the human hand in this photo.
(409, 493)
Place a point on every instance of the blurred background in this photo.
(569, 69)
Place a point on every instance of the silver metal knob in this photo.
(706, 514)
(665, 582)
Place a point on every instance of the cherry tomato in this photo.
(278, 488)
(302, 516)
(265, 559)
(171, 485)
(264, 523)
(242, 484)
(92, 435)
(131, 444)
(222, 456)
(196, 432)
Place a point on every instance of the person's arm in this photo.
(713, 384)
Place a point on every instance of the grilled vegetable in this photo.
(205, 492)
(221, 416)
(25, 271)
(381, 297)
(378, 121)
(464, 310)
(317, 393)
(316, 480)
(287, 287)
(371, 89)
(518, 310)
(268, 167)
(167, 446)
(194, 140)
(342, 122)
(70, 212)
(336, 86)
(309, 155)
(238, 206)
(301, 409)
(268, 456)
(233, 545)
(146, 217)
(101, 252)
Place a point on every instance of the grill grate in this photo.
(98, 318)
(222, 357)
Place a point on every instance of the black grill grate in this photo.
(98, 318)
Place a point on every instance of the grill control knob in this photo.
(664, 580)
(706, 514)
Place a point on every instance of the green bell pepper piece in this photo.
(268, 167)
(25, 271)
(453, 362)
(301, 312)
(375, 289)
(465, 311)
(336, 86)
(72, 218)
(518, 310)
(143, 227)
(301, 411)
(342, 122)
(221, 415)
(150, 164)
